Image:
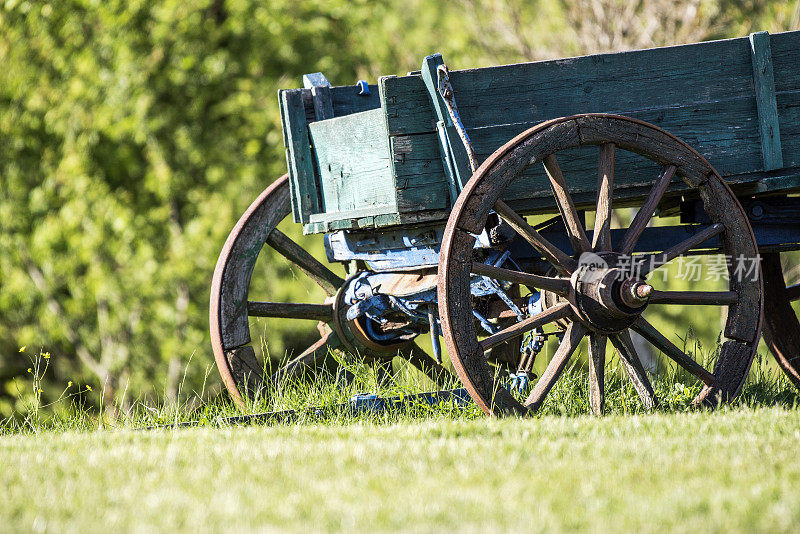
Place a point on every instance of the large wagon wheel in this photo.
(781, 327)
(605, 305)
(230, 307)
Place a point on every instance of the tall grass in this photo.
(765, 386)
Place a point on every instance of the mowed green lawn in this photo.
(728, 471)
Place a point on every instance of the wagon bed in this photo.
(361, 161)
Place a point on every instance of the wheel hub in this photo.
(604, 295)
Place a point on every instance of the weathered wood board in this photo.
(736, 101)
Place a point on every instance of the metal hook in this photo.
(364, 86)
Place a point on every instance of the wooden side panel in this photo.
(305, 199)
(785, 59)
(764, 84)
(352, 155)
(785, 52)
(730, 142)
(643, 79)
(702, 93)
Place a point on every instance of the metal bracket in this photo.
(449, 97)
(456, 160)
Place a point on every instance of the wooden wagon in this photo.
(458, 203)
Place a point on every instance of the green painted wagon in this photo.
(459, 203)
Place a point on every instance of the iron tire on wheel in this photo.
(540, 144)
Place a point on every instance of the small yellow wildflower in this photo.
(46, 355)
(69, 384)
(23, 347)
(88, 388)
(29, 370)
(40, 391)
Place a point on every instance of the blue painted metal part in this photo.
(392, 249)
(365, 402)
(369, 402)
(519, 382)
(363, 86)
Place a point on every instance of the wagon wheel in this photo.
(604, 306)
(230, 306)
(781, 327)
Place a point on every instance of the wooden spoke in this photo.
(597, 364)
(293, 252)
(601, 236)
(572, 337)
(793, 292)
(645, 213)
(577, 235)
(700, 298)
(659, 341)
(420, 359)
(309, 358)
(634, 368)
(561, 261)
(652, 261)
(559, 311)
(559, 286)
(291, 310)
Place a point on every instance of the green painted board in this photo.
(730, 142)
(352, 155)
(346, 100)
(764, 85)
(533, 92)
(300, 161)
(785, 53)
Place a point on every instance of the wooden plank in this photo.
(347, 100)
(407, 105)
(423, 197)
(320, 94)
(454, 149)
(766, 104)
(726, 133)
(785, 51)
(300, 162)
(789, 118)
(447, 164)
(295, 207)
(417, 159)
(371, 211)
(642, 79)
(315, 79)
(382, 220)
(291, 310)
(352, 155)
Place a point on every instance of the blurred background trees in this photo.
(134, 133)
